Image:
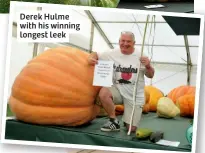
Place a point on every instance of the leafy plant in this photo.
(5, 4)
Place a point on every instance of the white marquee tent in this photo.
(174, 57)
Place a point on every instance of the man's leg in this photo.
(108, 98)
(127, 116)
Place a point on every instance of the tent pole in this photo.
(189, 63)
(35, 49)
(35, 46)
(91, 37)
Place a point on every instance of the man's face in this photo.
(126, 44)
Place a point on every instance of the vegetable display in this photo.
(55, 88)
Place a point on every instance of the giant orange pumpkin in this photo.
(55, 88)
(177, 92)
(186, 105)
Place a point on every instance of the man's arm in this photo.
(149, 71)
(93, 58)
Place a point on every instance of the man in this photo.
(126, 66)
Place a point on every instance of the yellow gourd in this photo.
(152, 94)
(166, 108)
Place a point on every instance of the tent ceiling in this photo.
(166, 41)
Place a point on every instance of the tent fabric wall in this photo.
(21, 53)
(168, 51)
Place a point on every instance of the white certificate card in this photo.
(103, 74)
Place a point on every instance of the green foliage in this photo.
(100, 3)
(5, 4)
(69, 2)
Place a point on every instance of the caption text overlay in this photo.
(45, 26)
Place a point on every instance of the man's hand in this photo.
(93, 59)
(145, 61)
(149, 69)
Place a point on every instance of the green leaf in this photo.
(5, 4)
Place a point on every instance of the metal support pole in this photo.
(189, 63)
(91, 38)
(99, 28)
(35, 50)
(35, 45)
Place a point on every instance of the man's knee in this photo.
(105, 94)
